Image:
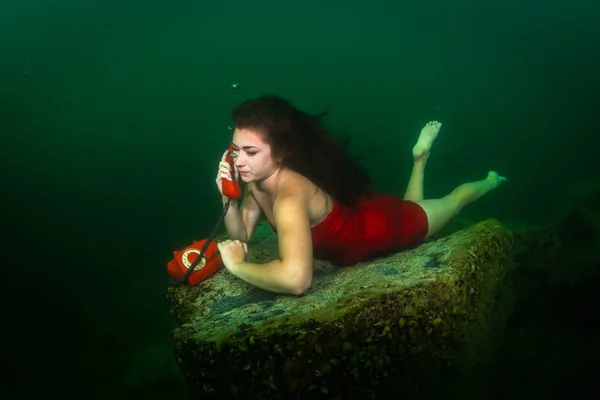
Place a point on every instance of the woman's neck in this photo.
(269, 185)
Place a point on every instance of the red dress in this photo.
(377, 225)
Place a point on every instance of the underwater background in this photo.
(114, 116)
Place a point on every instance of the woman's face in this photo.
(252, 156)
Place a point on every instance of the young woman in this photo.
(318, 200)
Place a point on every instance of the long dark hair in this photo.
(305, 146)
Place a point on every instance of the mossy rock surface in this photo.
(390, 326)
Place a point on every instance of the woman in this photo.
(318, 200)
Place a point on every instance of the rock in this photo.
(401, 324)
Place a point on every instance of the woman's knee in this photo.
(440, 211)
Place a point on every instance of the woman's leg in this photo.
(414, 190)
(441, 211)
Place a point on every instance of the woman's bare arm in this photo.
(292, 273)
(250, 214)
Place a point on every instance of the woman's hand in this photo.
(224, 172)
(232, 252)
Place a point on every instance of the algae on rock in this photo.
(397, 324)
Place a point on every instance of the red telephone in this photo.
(231, 188)
(183, 259)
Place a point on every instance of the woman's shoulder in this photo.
(291, 182)
(297, 185)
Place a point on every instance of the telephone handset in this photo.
(231, 188)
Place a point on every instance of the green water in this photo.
(114, 115)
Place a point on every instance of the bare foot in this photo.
(495, 179)
(426, 138)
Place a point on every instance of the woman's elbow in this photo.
(300, 287)
(298, 291)
(299, 278)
